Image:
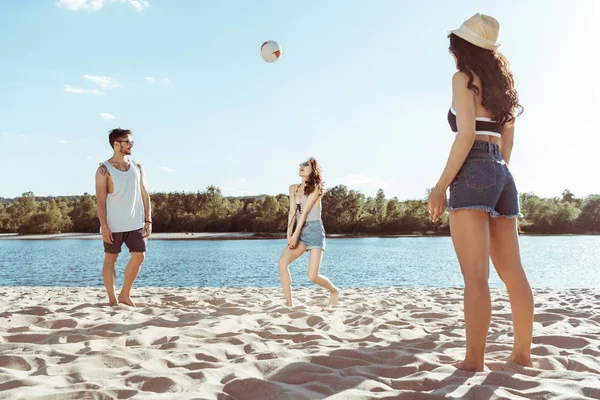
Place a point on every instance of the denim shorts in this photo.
(313, 235)
(485, 183)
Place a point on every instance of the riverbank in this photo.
(228, 236)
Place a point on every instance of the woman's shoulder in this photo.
(460, 78)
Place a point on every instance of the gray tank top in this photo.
(315, 212)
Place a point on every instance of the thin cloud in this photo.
(77, 5)
(166, 169)
(63, 142)
(95, 5)
(103, 81)
(236, 187)
(236, 192)
(107, 116)
(7, 134)
(365, 180)
(153, 80)
(71, 89)
(139, 4)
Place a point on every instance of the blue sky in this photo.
(363, 86)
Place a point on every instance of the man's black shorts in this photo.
(134, 240)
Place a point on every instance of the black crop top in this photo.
(483, 125)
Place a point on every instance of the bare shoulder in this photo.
(140, 167)
(293, 187)
(460, 79)
(102, 170)
(460, 87)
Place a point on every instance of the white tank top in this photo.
(124, 206)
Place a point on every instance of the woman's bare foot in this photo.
(112, 301)
(524, 360)
(126, 300)
(468, 366)
(333, 298)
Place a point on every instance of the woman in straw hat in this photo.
(484, 202)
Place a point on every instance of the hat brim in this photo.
(474, 39)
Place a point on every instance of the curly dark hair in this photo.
(498, 94)
(315, 180)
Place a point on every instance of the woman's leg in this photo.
(470, 236)
(314, 265)
(505, 253)
(287, 257)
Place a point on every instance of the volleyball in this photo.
(270, 51)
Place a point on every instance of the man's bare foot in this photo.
(467, 366)
(524, 360)
(333, 298)
(126, 300)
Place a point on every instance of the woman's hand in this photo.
(437, 203)
(293, 241)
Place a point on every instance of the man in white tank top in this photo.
(124, 212)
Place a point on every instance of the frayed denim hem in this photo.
(512, 216)
(493, 213)
(309, 248)
(474, 208)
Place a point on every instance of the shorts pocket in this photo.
(480, 175)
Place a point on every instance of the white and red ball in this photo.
(270, 51)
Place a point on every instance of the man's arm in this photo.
(146, 201)
(102, 175)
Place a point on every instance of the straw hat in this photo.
(480, 30)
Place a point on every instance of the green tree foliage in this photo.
(589, 219)
(83, 214)
(344, 211)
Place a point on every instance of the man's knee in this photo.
(138, 257)
(110, 259)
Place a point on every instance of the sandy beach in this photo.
(241, 343)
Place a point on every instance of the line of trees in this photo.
(344, 211)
